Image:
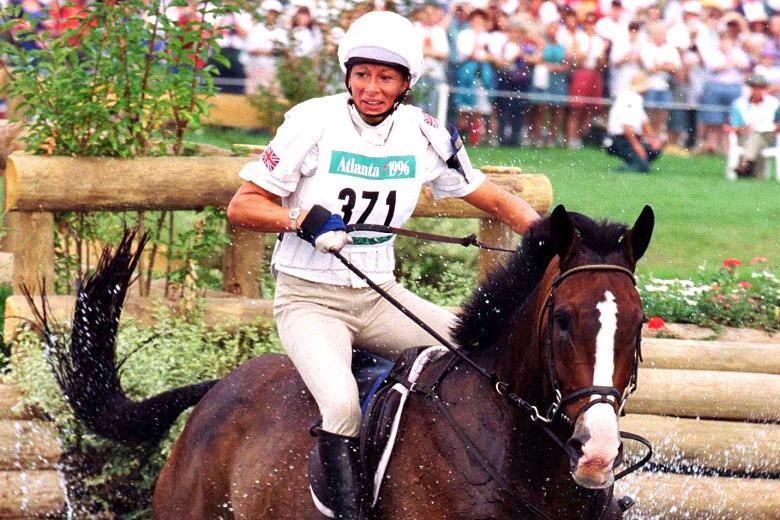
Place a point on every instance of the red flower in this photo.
(731, 262)
(759, 260)
(656, 322)
(744, 285)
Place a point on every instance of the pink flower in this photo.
(744, 285)
(731, 262)
(655, 323)
(759, 260)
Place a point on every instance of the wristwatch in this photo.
(293, 216)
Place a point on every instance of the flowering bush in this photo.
(737, 295)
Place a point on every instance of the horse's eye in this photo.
(562, 320)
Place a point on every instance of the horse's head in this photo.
(589, 330)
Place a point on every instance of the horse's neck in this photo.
(528, 454)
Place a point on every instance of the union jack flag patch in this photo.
(269, 158)
(430, 120)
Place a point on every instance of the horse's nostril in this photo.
(574, 448)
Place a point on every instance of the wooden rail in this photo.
(36, 186)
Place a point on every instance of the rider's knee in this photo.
(341, 416)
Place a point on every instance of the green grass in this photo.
(700, 217)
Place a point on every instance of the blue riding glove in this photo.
(324, 230)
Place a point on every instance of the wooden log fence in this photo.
(37, 186)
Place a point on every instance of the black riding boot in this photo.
(340, 458)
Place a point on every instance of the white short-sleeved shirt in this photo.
(628, 109)
(469, 42)
(652, 56)
(324, 154)
(435, 68)
(592, 45)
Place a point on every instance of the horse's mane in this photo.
(508, 287)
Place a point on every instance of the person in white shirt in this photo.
(232, 30)
(661, 61)
(625, 59)
(264, 41)
(614, 26)
(755, 118)
(688, 83)
(630, 136)
(359, 156)
(436, 48)
(726, 66)
(306, 36)
(474, 70)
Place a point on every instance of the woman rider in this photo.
(358, 156)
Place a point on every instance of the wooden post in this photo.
(32, 243)
(241, 262)
(493, 233)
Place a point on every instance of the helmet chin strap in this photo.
(384, 115)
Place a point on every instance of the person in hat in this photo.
(755, 118)
(630, 136)
(360, 156)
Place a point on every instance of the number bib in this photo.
(363, 183)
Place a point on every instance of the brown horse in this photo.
(557, 329)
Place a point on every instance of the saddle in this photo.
(384, 387)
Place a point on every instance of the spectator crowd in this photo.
(540, 72)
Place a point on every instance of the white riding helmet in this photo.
(383, 36)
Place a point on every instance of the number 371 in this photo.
(349, 197)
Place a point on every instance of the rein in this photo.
(468, 240)
(554, 411)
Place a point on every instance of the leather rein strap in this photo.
(468, 240)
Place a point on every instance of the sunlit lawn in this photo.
(700, 217)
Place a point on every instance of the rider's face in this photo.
(375, 88)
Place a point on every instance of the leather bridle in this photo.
(603, 392)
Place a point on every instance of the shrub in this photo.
(736, 295)
(103, 477)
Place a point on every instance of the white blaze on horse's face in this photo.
(600, 423)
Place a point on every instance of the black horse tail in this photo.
(86, 369)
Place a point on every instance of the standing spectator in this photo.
(661, 61)
(586, 80)
(232, 30)
(262, 45)
(306, 37)
(567, 31)
(632, 139)
(613, 28)
(755, 118)
(769, 68)
(756, 36)
(550, 78)
(687, 84)
(455, 21)
(725, 66)
(521, 52)
(436, 48)
(474, 65)
(625, 59)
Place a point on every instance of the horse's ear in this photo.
(640, 234)
(561, 232)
